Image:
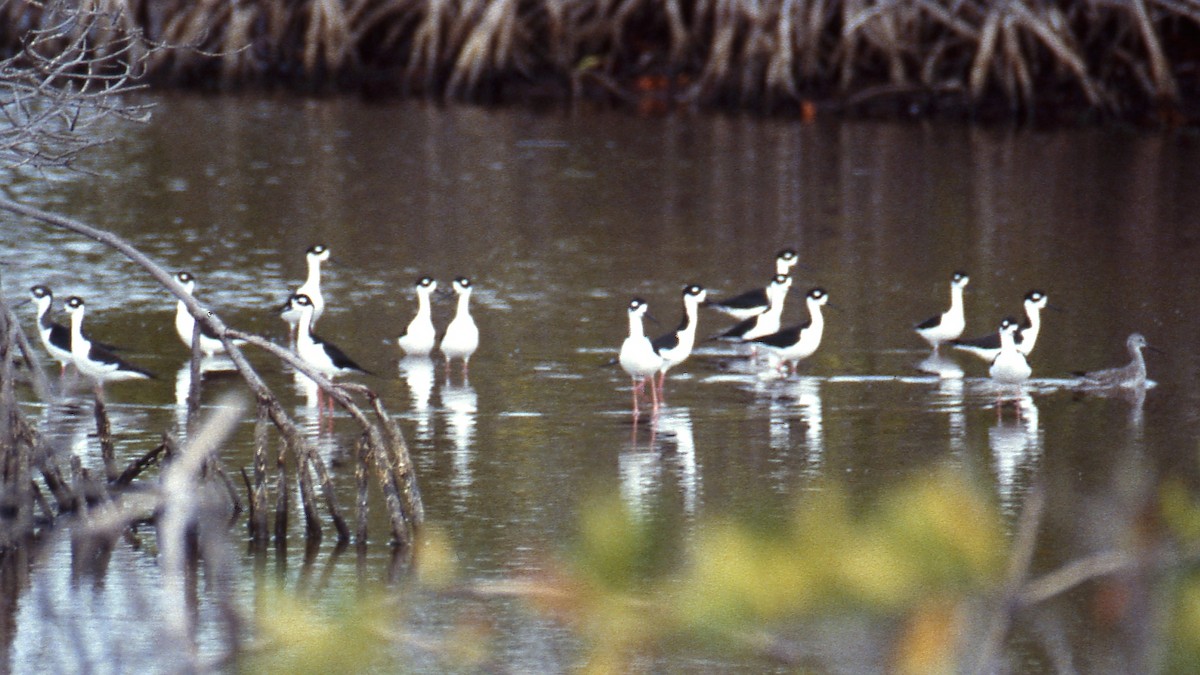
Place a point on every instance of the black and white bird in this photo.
(311, 287)
(91, 359)
(765, 323)
(1129, 376)
(949, 324)
(799, 342)
(185, 323)
(56, 338)
(987, 346)
(1010, 367)
(462, 335)
(637, 356)
(321, 355)
(420, 337)
(757, 300)
(674, 347)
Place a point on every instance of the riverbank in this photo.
(1022, 60)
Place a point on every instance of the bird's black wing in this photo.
(338, 357)
(748, 300)
(785, 337)
(989, 341)
(99, 354)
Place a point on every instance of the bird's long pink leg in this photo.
(637, 386)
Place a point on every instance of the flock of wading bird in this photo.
(72, 347)
(759, 312)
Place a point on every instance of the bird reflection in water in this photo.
(419, 374)
(183, 384)
(1016, 446)
(950, 398)
(669, 452)
(945, 368)
(459, 404)
(790, 401)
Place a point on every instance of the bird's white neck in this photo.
(691, 308)
(314, 272)
(775, 308)
(1007, 343)
(1029, 335)
(464, 300)
(956, 301)
(423, 308)
(43, 306)
(814, 311)
(635, 325)
(79, 344)
(304, 328)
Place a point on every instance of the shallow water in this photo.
(559, 219)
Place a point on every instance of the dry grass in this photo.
(1111, 56)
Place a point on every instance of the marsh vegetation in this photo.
(1065, 61)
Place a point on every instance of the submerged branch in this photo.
(405, 512)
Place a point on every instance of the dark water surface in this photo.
(559, 219)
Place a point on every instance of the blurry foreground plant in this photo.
(926, 579)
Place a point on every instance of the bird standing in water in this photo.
(462, 335)
(638, 357)
(948, 325)
(676, 346)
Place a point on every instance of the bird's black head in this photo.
(184, 277)
(426, 282)
(74, 302)
(39, 291)
(302, 300)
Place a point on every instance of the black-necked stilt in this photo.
(756, 301)
(949, 324)
(800, 341)
(311, 287)
(462, 335)
(56, 338)
(323, 356)
(676, 346)
(185, 323)
(419, 338)
(637, 356)
(1010, 366)
(91, 359)
(766, 322)
(1129, 376)
(987, 346)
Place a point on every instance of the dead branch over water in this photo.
(22, 451)
(1019, 55)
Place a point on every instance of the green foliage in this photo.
(915, 552)
(295, 636)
